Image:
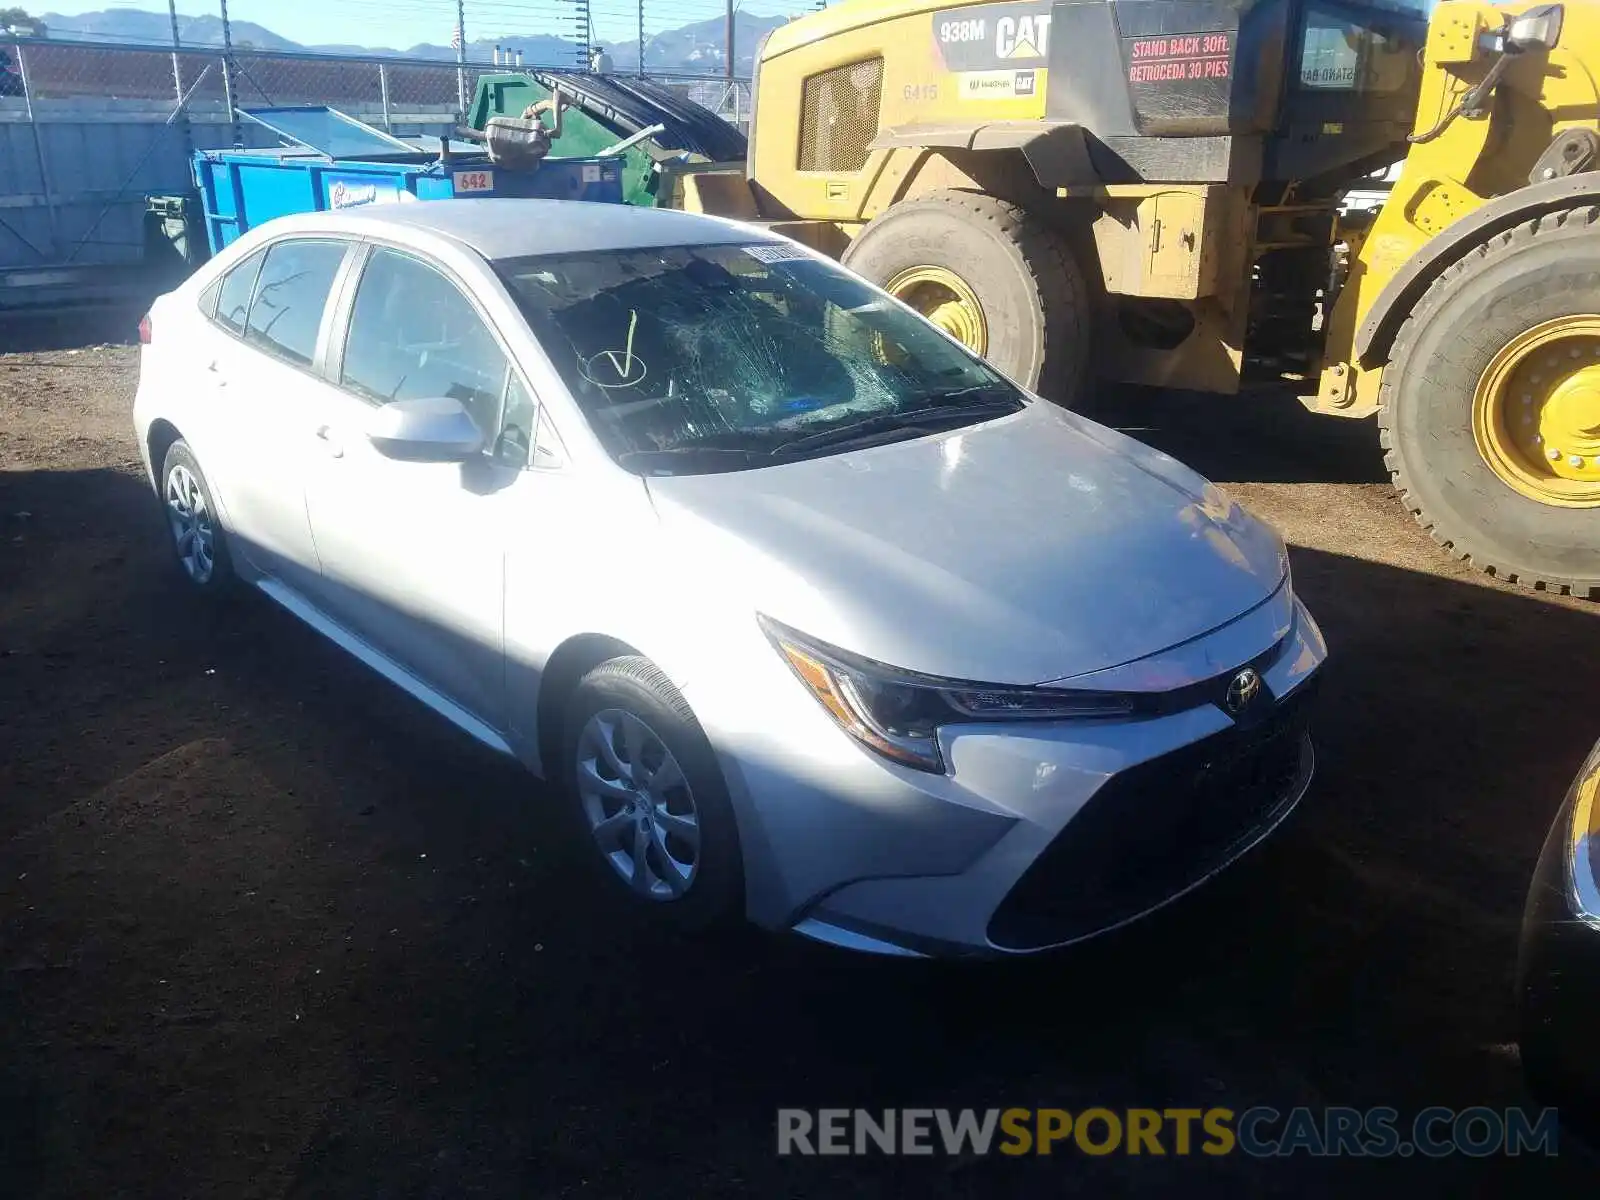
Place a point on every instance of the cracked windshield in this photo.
(706, 358)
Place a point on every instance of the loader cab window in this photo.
(1357, 48)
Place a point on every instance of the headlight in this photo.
(899, 713)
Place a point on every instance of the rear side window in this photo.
(290, 296)
(208, 298)
(233, 301)
(414, 335)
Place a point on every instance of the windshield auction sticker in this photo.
(774, 252)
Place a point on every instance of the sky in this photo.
(403, 23)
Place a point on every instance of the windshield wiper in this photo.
(913, 422)
(691, 450)
(758, 446)
(994, 394)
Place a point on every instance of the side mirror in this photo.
(430, 429)
(1537, 29)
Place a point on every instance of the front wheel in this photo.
(650, 797)
(1491, 405)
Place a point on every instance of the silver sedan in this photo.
(813, 617)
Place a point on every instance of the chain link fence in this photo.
(88, 130)
(57, 70)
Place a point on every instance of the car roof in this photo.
(503, 228)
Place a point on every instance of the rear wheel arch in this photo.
(159, 439)
(1003, 174)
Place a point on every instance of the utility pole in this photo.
(461, 57)
(177, 77)
(177, 67)
(728, 39)
(227, 71)
(640, 9)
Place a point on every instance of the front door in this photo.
(413, 553)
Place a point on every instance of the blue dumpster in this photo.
(335, 161)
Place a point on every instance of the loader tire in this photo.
(1033, 318)
(1502, 335)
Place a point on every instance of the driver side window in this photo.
(413, 335)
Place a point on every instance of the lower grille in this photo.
(1156, 829)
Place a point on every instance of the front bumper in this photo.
(1147, 836)
(1160, 829)
(1041, 834)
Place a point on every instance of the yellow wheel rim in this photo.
(944, 298)
(1536, 413)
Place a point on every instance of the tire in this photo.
(712, 895)
(1544, 269)
(192, 523)
(1028, 284)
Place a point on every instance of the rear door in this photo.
(197, 379)
(268, 386)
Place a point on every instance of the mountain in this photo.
(127, 25)
(692, 49)
(539, 50)
(697, 48)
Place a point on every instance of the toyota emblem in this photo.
(1242, 689)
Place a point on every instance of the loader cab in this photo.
(1350, 95)
(1242, 91)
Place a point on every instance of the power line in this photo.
(610, 21)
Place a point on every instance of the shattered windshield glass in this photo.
(690, 359)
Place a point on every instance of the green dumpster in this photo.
(601, 111)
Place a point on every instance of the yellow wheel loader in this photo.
(1149, 191)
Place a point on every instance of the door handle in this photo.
(330, 440)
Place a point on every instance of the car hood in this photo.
(1026, 549)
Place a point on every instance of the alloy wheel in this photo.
(189, 518)
(638, 804)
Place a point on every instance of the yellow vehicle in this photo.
(1148, 191)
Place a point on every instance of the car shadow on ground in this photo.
(272, 928)
(1260, 436)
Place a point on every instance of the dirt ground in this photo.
(267, 928)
